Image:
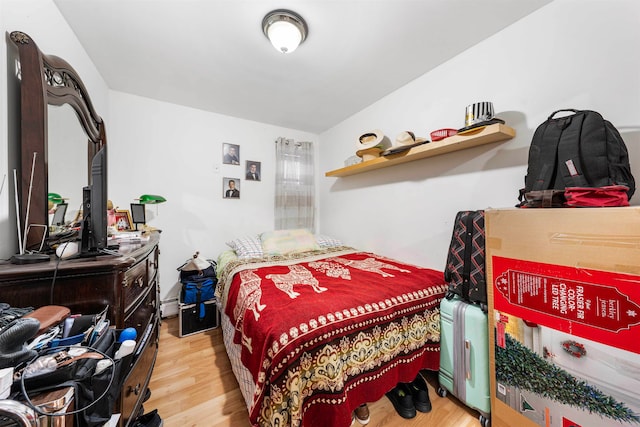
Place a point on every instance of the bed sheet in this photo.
(318, 333)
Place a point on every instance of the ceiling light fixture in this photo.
(285, 29)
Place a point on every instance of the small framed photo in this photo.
(123, 220)
(253, 171)
(58, 214)
(138, 214)
(231, 188)
(230, 154)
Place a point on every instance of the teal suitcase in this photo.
(464, 355)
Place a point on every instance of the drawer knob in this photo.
(140, 281)
(135, 390)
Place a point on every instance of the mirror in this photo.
(67, 150)
(47, 80)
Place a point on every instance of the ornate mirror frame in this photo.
(47, 80)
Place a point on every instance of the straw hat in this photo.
(404, 141)
(375, 138)
(371, 144)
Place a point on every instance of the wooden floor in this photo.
(193, 385)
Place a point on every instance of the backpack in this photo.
(198, 286)
(465, 268)
(579, 150)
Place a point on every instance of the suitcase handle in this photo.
(467, 359)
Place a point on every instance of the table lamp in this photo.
(148, 199)
(151, 199)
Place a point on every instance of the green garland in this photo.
(518, 366)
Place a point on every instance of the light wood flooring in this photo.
(193, 385)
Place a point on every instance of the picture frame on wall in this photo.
(123, 220)
(231, 188)
(230, 154)
(253, 171)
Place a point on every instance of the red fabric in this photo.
(609, 196)
(323, 336)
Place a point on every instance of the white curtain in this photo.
(295, 188)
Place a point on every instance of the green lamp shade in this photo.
(55, 198)
(151, 199)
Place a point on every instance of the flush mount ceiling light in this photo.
(285, 29)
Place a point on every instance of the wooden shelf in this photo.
(493, 133)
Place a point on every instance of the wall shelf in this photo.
(493, 133)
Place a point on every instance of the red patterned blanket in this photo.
(323, 332)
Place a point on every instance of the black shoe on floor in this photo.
(420, 394)
(400, 397)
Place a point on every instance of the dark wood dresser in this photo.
(127, 283)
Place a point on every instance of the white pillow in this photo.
(247, 247)
(281, 242)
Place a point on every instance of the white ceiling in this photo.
(212, 54)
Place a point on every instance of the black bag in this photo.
(465, 269)
(191, 275)
(579, 150)
(198, 286)
(545, 199)
(197, 292)
(95, 393)
(150, 419)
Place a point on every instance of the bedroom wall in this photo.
(41, 20)
(568, 54)
(154, 148)
(176, 152)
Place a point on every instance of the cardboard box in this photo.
(564, 316)
(189, 318)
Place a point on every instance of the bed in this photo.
(316, 329)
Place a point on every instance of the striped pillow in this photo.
(325, 241)
(247, 247)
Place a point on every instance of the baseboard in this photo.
(169, 308)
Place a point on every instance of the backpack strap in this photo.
(617, 150)
(565, 110)
(199, 302)
(570, 154)
(544, 155)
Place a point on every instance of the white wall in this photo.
(41, 20)
(176, 152)
(154, 148)
(569, 54)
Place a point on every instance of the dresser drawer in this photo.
(135, 283)
(152, 264)
(135, 385)
(143, 313)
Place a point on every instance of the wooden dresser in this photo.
(127, 283)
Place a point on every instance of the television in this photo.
(93, 233)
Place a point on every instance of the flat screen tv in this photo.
(93, 235)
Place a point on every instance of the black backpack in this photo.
(579, 150)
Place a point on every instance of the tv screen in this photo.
(94, 224)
